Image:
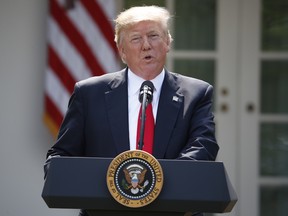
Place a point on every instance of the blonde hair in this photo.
(134, 15)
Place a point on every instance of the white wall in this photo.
(24, 138)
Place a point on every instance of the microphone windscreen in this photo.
(148, 88)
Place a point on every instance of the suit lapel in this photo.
(117, 109)
(170, 103)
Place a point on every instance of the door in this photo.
(205, 46)
(263, 188)
(241, 48)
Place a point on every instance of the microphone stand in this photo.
(143, 119)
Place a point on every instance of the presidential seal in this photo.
(134, 178)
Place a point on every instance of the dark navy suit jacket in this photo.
(96, 123)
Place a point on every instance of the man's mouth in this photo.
(148, 57)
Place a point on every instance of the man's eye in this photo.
(154, 36)
(135, 39)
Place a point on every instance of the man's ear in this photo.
(168, 48)
(122, 53)
(168, 45)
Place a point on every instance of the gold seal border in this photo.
(127, 155)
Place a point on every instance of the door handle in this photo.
(250, 107)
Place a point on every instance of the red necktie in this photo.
(148, 139)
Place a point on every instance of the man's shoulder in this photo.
(184, 80)
(102, 80)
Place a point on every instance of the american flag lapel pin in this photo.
(175, 98)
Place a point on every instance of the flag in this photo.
(80, 44)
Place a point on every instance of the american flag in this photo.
(80, 45)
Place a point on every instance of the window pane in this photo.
(130, 3)
(274, 87)
(200, 69)
(274, 25)
(274, 149)
(274, 201)
(195, 25)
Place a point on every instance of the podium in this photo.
(189, 186)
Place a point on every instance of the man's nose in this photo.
(146, 44)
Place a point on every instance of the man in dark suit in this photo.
(102, 115)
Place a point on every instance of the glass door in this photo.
(264, 108)
(241, 48)
(273, 124)
(205, 46)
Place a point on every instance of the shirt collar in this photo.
(135, 82)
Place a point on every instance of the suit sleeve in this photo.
(201, 142)
(71, 136)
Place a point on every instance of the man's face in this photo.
(144, 47)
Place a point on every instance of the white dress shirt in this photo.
(134, 84)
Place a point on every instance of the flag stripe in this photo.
(60, 70)
(80, 45)
(52, 110)
(75, 37)
(67, 52)
(100, 18)
(94, 37)
(56, 91)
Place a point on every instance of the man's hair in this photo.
(134, 15)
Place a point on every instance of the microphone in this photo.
(146, 89)
(145, 97)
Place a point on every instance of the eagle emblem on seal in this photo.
(135, 178)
